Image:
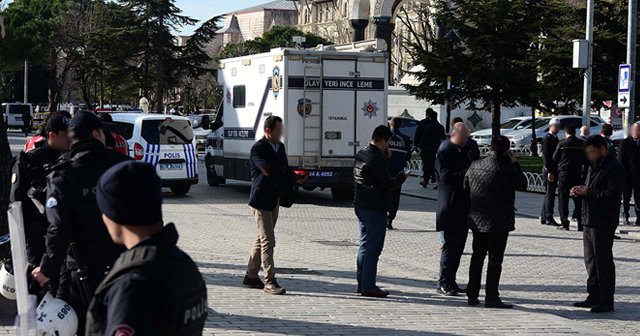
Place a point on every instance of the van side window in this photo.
(239, 95)
(124, 129)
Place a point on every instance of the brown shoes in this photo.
(273, 288)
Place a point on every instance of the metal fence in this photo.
(535, 180)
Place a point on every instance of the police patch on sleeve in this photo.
(124, 330)
(52, 202)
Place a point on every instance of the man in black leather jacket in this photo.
(373, 187)
(601, 196)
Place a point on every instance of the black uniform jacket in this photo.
(153, 289)
(74, 216)
(570, 157)
(372, 180)
(630, 158)
(605, 182)
(549, 144)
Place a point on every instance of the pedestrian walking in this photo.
(76, 236)
(29, 182)
(601, 196)
(472, 148)
(400, 147)
(571, 162)
(629, 155)
(429, 134)
(271, 186)
(26, 121)
(452, 210)
(372, 198)
(491, 184)
(154, 288)
(550, 172)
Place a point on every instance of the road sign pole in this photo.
(586, 95)
(632, 27)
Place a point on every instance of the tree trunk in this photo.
(495, 116)
(54, 89)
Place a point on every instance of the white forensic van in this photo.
(13, 113)
(167, 142)
(330, 101)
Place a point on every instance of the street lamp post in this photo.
(588, 73)
(632, 27)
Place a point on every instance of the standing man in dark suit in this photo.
(601, 196)
(400, 147)
(549, 172)
(571, 162)
(428, 142)
(492, 183)
(270, 182)
(630, 159)
(452, 212)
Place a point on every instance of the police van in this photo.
(330, 98)
(13, 113)
(166, 142)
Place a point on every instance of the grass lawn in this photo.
(531, 164)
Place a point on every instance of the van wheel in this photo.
(342, 194)
(212, 177)
(180, 190)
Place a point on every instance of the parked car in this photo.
(483, 137)
(617, 137)
(409, 126)
(201, 124)
(166, 142)
(522, 138)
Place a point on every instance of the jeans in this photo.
(549, 196)
(453, 242)
(598, 258)
(395, 203)
(373, 228)
(493, 244)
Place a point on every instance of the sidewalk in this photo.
(528, 205)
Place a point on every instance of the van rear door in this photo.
(169, 146)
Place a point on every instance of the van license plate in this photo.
(171, 166)
(318, 173)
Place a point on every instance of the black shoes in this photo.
(376, 292)
(253, 283)
(459, 290)
(497, 303)
(602, 308)
(389, 225)
(551, 222)
(543, 221)
(585, 304)
(626, 220)
(273, 288)
(563, 228)
(473, 301)
(447, 291)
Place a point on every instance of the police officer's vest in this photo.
(180, 284)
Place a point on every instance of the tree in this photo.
(485, 51)
(277, 36)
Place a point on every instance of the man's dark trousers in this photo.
(549, 196)
(566, 181)
(598, 258)
(373, 228)
(493, 243)
(453, 242)
(631, 188)
(428, 164)
(395, 203)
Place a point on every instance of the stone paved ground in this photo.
(315, 254)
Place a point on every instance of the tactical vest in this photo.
(175, 276)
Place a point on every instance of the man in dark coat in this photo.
(601, 196)
(491, 184)
(549, 172)
(372, 197)
(630, 160)
(452, 211)
(571, 162)
(400, 147)
(271, 181)
(472, 148)
(428, 140)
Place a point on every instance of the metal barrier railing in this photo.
(535, 180)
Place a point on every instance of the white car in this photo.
(522, 138)
(483, 137)
(167, 142)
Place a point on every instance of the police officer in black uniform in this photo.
(29, 181)
(76, 232)
(154, 288)
(549, 172)
(400, 147)
(571, 161)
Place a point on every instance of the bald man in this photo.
(630, 159)
(452, 213)
(585, 132)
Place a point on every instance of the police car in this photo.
(167, 142)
